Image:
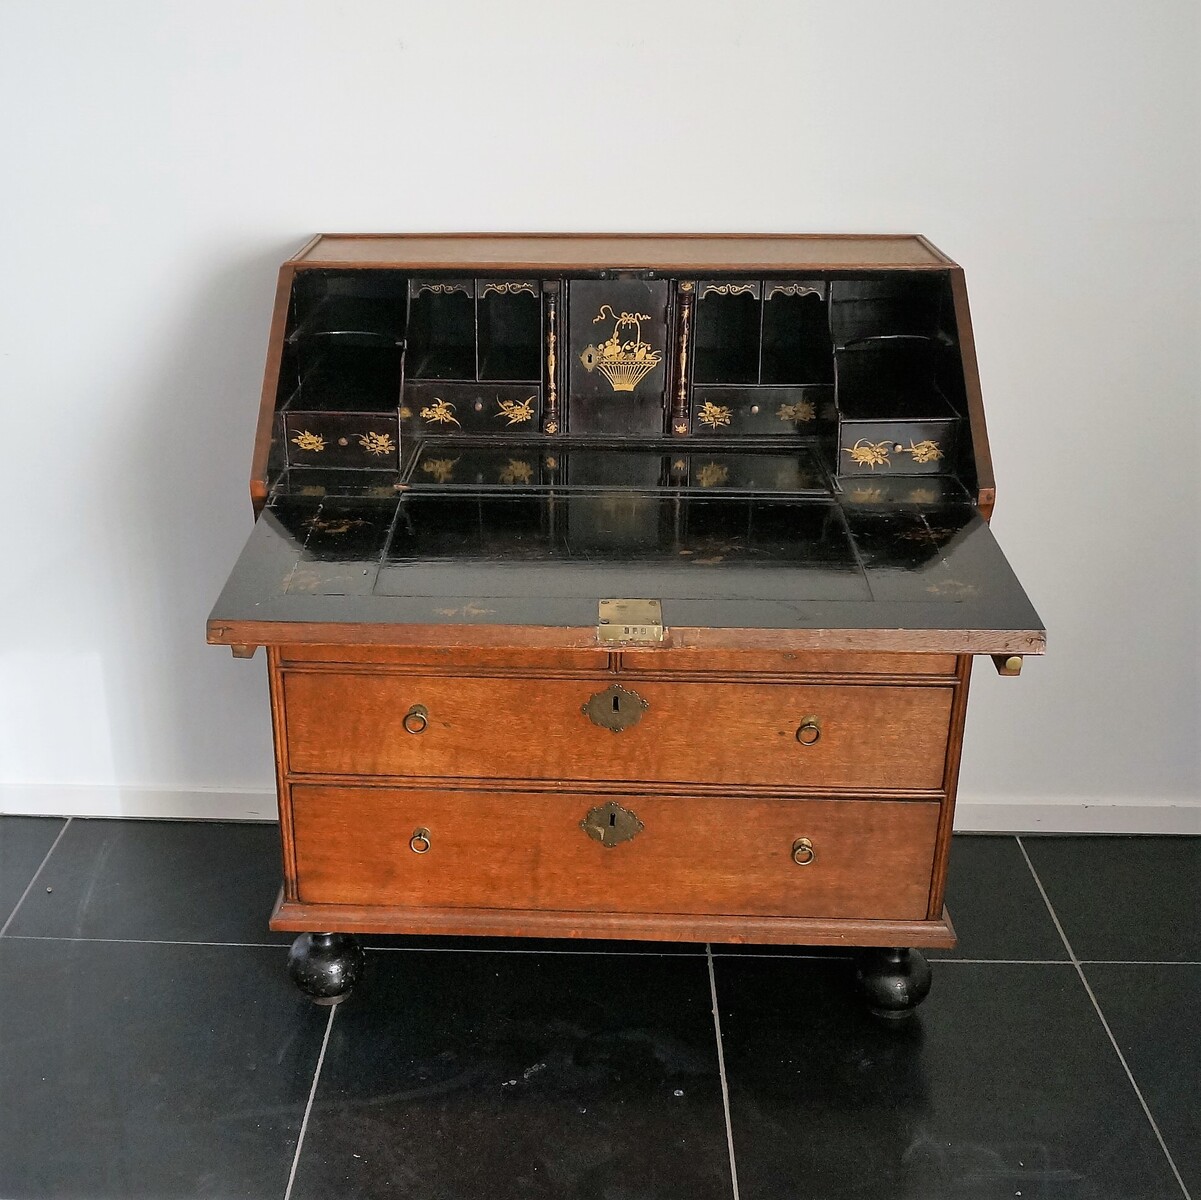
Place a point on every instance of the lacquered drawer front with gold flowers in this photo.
(761, 411)
(895, 447)
(342, 439)
(448, 409)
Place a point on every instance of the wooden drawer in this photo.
(872, 858)
(459, 658)
(871, 737)
(637, 660)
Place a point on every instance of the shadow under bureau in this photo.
(624, 587)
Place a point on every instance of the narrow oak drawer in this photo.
(675, 730)
(454, 658)
(786, 662)
(711, 855)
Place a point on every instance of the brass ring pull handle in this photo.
(420, 843)
(809, 731)
(803, 852)
(416, 719)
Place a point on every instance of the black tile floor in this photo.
(151, 1045)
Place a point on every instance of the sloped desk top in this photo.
(800, 571)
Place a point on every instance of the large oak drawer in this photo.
(868, 737)
(871, 859)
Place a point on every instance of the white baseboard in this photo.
(114, 800)
(1083, 816)
(190, 804)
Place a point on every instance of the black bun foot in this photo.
(325, 966)
(894, 981)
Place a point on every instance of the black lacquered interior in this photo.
(612, 357)
(901, 557)
(753, 451)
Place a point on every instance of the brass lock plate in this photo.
(630, 621)
(616, 708)
(610, 824)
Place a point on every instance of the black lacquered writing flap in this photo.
(715, 562)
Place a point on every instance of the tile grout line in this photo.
(1138, 962)
(1067, 945)
(29, 885)
(721, 1071)
(308, 1108)
(1006, 962)
(988, 962)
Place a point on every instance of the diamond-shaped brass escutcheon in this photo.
(610, 824)
(615, 708)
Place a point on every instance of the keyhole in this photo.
(617, 704)
(612, 820)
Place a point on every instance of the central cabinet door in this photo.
(618, 355)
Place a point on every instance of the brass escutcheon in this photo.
(416, 719)
(616, 708)
(610, 824)
(802, 852)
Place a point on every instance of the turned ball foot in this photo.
(325, 966)
(894, 981)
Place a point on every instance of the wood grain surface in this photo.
(694, 854)
(452, 657)
(785, 662)
(872, 737)
(292, 915)
(551, 252)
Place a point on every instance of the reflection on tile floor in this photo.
(1009, 1085)
(506, 1075)
(155, 1048)
(133, 1069)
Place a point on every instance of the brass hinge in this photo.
(630, 621)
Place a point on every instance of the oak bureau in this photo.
(623, 587)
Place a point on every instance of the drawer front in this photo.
(454, 408)
(785, 662)
(682, 731)
(462, 658)
(342, 439)
(759, 411)
(712, 855)
(896, 447)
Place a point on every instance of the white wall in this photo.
(160, 160)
